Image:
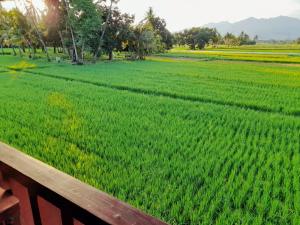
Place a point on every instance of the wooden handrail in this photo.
(76, 200)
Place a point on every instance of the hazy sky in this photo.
(188, 13)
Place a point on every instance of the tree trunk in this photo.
(62, 42)
(45, 49)
(74, 58)
(30, 54)
(74, 45)
(34, 52)
(72, 35)
(20, 51)
(110, 55)
(13, 48)
(82, 53)
(2, 50)
(29, 49)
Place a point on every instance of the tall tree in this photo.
(103, 28)
(69, 27)
(85, 20)
(160, 28)
(144, 41)
(55, 23)
(118, 31)
(197, 37)
(19, 29)
(244, 39)
(33, 18)
(231, 40)
(3, 27)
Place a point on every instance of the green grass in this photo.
(214, 142)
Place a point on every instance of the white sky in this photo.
(189, 13)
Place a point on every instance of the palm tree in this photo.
(33, 18)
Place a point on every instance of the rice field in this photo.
(257, 54)
(190, 142)
(259, 47)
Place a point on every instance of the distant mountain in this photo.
(277, 28)
(296, 14)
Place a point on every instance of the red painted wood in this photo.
(76, 222)
(49, 213)
(9, 208)
(25, 208)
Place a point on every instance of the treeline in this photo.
(199, 38)
(85, 30)
(82, 29)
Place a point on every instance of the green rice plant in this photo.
(237, 55)
(213, 142)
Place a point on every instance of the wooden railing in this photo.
(49, 197)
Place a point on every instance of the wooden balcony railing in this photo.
(34, 193)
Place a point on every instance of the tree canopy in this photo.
(197, 37)
(83, 30)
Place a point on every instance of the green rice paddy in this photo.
(188, 141)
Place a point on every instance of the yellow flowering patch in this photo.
(22, 66)
(58, 100)
(70, 122)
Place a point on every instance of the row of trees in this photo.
(198, 38)
(81, 28)
(87, 29)
(243, 39)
